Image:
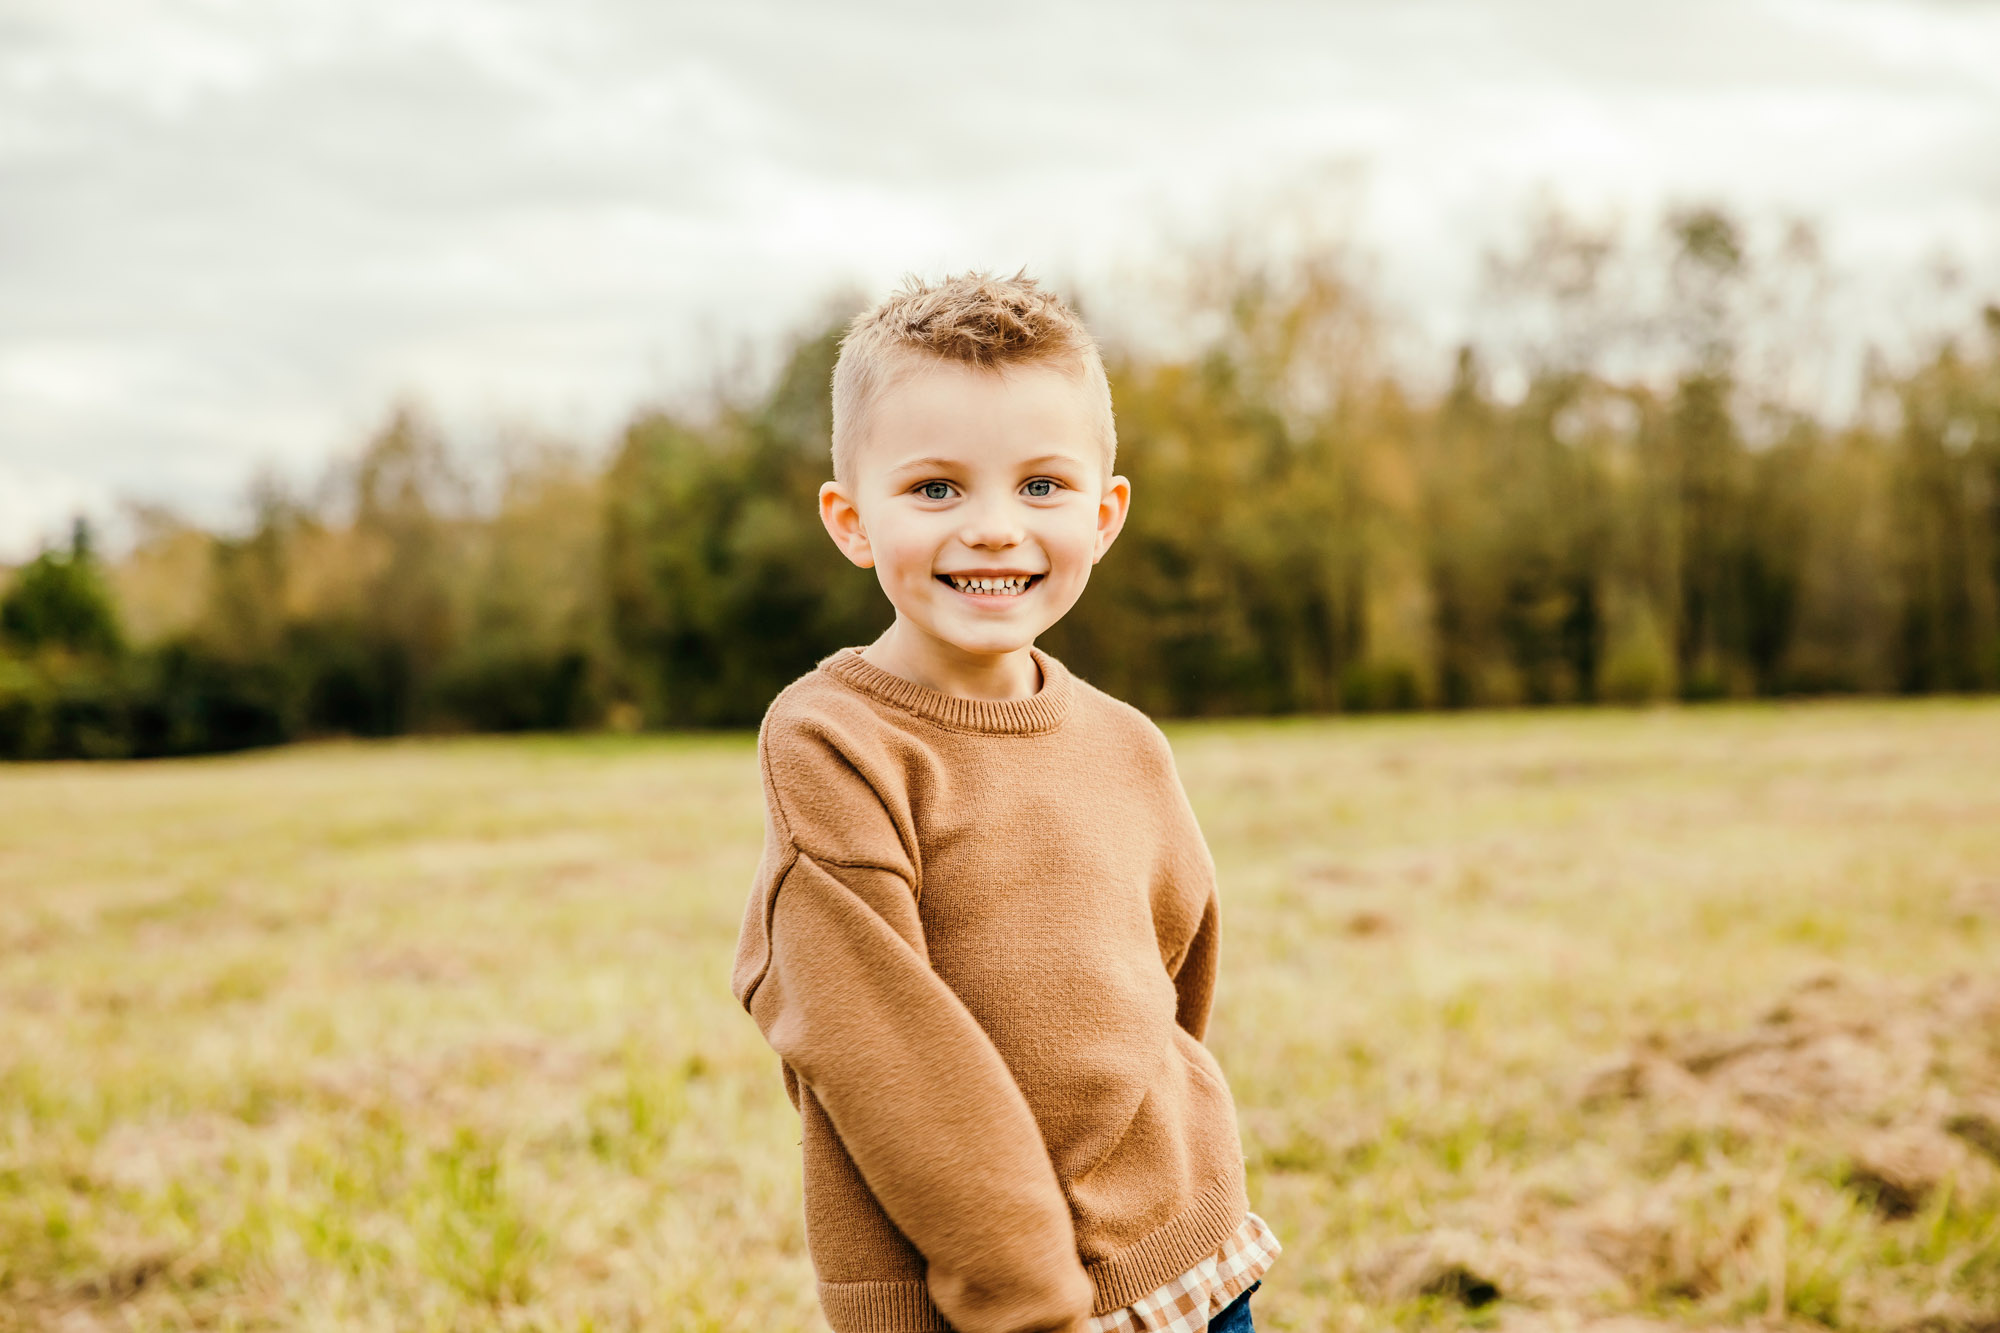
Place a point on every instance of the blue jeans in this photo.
(1235, 1316)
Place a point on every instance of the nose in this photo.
(992, 524)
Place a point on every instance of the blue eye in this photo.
(935, 490)
(1041, 486)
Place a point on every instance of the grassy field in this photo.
(1539, 1020)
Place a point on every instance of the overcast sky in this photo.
(231, 234)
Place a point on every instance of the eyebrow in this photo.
(926, 464)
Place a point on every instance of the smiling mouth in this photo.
(1003, 585)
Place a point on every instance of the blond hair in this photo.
(973, 319)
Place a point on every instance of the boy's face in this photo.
(981, 499)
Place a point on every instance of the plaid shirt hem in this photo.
(1186, 1304)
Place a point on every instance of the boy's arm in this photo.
(922, 1101)
(1193, 968)
(1194, 972)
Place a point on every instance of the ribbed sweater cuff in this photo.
(880, 1307)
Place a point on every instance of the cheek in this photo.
(1073, 539)
(904, 551)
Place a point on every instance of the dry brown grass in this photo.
(1561, 1020)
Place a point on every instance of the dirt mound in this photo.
(1904, 1080)
(1886, 1095)
(1834, 1051)
(1475, 1270)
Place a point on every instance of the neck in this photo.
(909, 652)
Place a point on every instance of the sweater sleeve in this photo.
(921, 1100)
(1194, 977)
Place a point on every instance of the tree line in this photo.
(1616, 494)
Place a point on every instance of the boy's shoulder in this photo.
(1126, 723)
(821, 734)
(814, 708)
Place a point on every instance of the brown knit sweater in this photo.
(983, 942)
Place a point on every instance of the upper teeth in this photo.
(1008, 586)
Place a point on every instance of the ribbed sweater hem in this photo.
(1140, 1268)
(1172, 1249)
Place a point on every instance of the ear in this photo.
(1112, 507)
(842, 520)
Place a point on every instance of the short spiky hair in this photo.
(974, 319)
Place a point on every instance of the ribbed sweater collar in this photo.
(1041, 711)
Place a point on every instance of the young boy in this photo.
(982, 938)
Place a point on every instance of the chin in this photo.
(988, 643)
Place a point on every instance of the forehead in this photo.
(938, 409)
